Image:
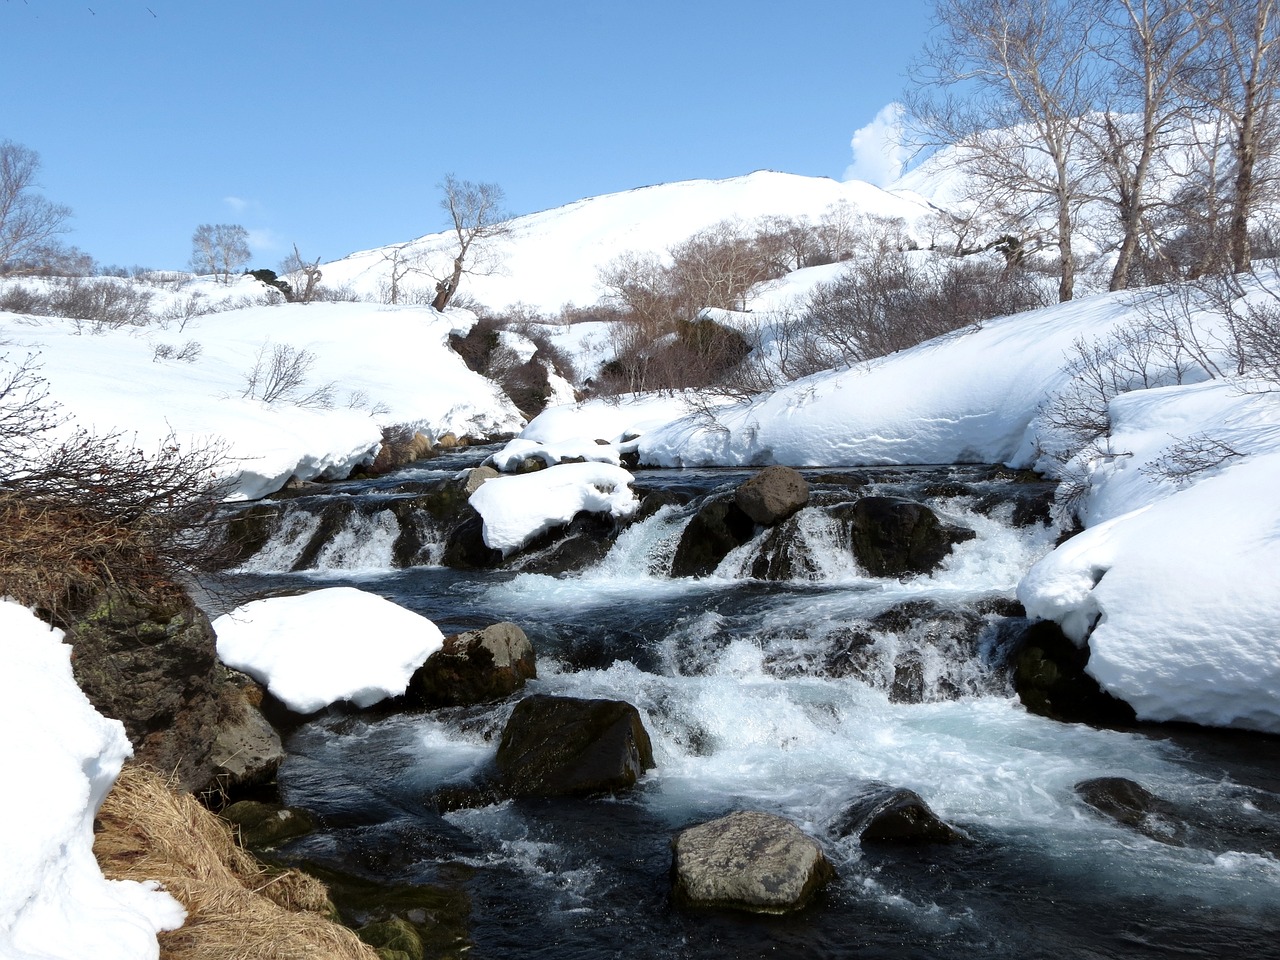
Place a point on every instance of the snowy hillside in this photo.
(552, 258)
(359, 367)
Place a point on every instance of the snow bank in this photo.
(518, 450)
(328, 645)
(610, 420)
(1179, 577)
(517, 509)
(61, 757)
(381, 365)
(969, 396)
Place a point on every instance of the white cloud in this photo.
(264, 240)
(237, 204)
(878, 151)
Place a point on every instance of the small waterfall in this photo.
(362, 543)
(812, 545)
(286, 545)
(342, 535)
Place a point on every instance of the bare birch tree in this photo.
(29, 224)
(1151, 47)
(219, 249)
(478, 219)
(1008, 80)
(1242, 84)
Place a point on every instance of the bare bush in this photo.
(280, 373)
(1190, 457)
(82, 511)
(181, 312)
(98, 304)
(189, 352)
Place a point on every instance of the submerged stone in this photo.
(891, 815)
(1133, 805)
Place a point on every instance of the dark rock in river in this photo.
(262, 825)
(707, 539)
(884, 814)
(1049, 675)
(1133, 805)
(896, 537)
(564, 746)
(582, 542)
(148, 659)
(748, 861)
(465, 547)
(772, 495)
(475, 667)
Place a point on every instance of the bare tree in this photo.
(303, 275)
(1007, 80)
(220, 249)
(29, 224)
(1241, 82)
(401, 262)
(1151, 46)
(478, 219)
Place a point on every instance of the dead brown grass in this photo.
(237, 909)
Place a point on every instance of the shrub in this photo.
(82, 511)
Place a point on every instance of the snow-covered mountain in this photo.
(553, 257)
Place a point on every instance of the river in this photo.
(789, 698)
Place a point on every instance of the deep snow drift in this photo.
(62, 757)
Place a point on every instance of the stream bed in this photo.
(787, 697)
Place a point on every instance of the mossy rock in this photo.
(1049, 675)
(265, 825)
(395, 937)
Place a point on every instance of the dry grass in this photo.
(237, 909)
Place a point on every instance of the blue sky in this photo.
(329, 123)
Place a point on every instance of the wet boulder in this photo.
(772, 495)
(889, 815)
(582, 542)
(1049, 676)
(714, 530)
(896, 537)
(465, 548)
(475, 667)
(1133, 805)
(748, 861)
(565, 746)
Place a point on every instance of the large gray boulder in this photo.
(565, 746)
(477, 666)
(772, 495)
(247, 750)
(748, 861)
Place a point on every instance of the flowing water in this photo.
(789, 698)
